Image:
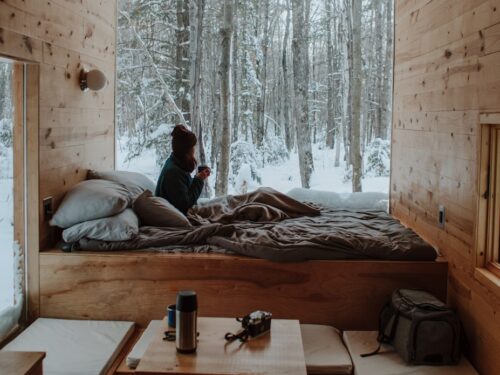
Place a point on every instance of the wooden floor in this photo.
(137, 286)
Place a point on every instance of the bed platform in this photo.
(137, 286)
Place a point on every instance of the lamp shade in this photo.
(93, 80)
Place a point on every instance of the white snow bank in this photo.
(350, 201)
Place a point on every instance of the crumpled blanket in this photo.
(271, 225)
(261, 205)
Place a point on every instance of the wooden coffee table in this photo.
(279, 352)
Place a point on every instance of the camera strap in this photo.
(242, 335)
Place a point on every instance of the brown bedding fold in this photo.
(264, 204)
(270, 225)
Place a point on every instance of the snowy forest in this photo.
(6, 187)
(291, 90)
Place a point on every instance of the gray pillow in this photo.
(158, 212)
(121, 227)
(90, 200)
(134, 182)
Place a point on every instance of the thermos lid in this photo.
(186, 301)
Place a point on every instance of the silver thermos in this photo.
(186, 313)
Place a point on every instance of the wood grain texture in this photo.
(21, 363)
(76, 130)
(278, 353)
(137, 286)
(447, 57)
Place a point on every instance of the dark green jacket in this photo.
(177, 186)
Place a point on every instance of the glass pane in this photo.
(6, 187)
(265, 147)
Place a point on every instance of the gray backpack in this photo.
(422, 329)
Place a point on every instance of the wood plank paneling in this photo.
(139, 286)
(447, 65)
(76, 129)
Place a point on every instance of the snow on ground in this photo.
(283, 177)
(6, 239)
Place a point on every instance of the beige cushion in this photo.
(324, 350)
(158, 212)
(74, 347)
(121, 227)
(90, 200)
(388, 362)
(134, 182)
(137, 352)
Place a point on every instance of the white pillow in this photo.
(121, 227)
(135, 183)
(90, 200)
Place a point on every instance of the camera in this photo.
(252, 325)
(257, 323)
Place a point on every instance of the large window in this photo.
(281, 93)
(6, 186)
(12, 196)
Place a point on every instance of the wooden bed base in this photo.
(137, 286)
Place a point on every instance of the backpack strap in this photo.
(385, 333)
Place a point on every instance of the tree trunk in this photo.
(236, 102)
(288, 123)
(196, 43)
(379, 58)
(355, 147)
(225, 99)
(261, 100)
(182, 58)
(330, 121)
(386, 122)
(300, 52)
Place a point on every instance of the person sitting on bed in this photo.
(175, 183)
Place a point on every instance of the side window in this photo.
(489, 206)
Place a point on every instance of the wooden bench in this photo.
(138, 285)
(21, 363)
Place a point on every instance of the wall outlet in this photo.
(441, 217)
(48, 208)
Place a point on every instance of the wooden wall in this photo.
(76, 129)
(447, 72)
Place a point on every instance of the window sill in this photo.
(488, 279)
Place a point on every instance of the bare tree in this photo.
(330, 127)
(288, 123)
(182, 58)
(355, 146)
(225, 98)
(234, 70)
(300, 52)
(197, 13)
(261, 100)
(386, 102)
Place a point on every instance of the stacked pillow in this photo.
(135, 183)
(99, 208)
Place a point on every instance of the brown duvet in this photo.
(271, 225)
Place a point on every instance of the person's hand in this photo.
(203, 175)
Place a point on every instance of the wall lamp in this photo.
(94, 80)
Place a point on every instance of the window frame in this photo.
(26, 86)
(488, 212)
